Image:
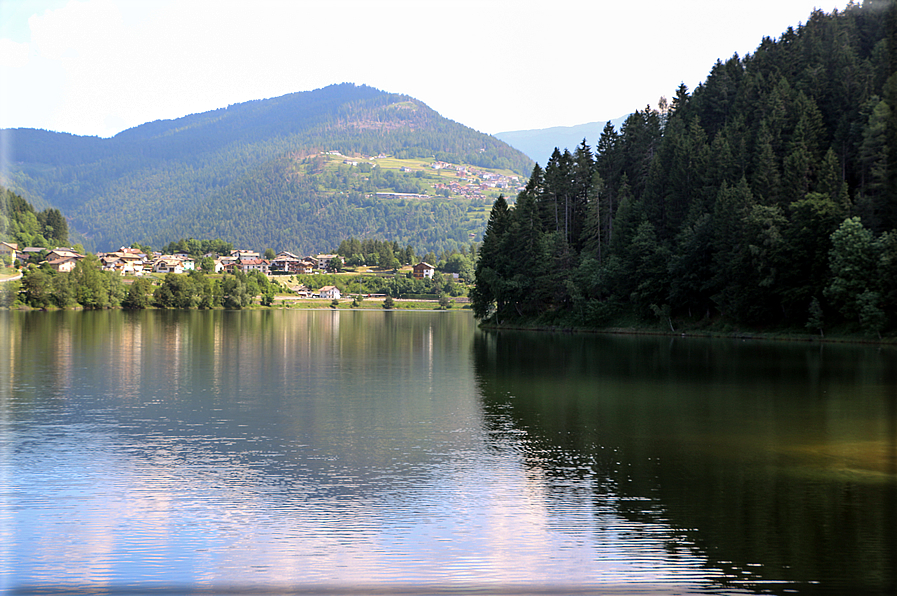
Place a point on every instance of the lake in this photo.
(362, 452)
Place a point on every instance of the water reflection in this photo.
(368, 451)
(778, 462)
(271, 449)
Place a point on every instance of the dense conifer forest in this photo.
(242, 173)
(766, 199)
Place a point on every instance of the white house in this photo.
(324, 260)
(168, 265)
(244, 255)
(331, 292)
(188, 263)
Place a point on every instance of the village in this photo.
(461, 181)
(134, 262)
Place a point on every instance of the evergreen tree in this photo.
(488, 291)
(691, 267)
(648, 261)
(525, 240)
(595, 235)
(765, 181)
(875, 154)
(729, 245)
(582, 174)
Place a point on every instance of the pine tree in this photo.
(582, 173)
(729, 245)
(487, 291)
(765, 181)
(594, 235)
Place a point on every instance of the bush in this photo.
(138, 296)
(9, 292)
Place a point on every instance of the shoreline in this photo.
(736, 335)
(375, 305)
(413, 306)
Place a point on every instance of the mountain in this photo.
(243, 173)
(540, 143)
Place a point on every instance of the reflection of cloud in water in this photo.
(285, 449)
(487, 523)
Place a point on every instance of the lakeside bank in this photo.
(783, 335)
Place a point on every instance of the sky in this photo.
(97, 67)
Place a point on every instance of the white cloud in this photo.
(12, 54)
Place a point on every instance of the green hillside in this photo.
(248, 173)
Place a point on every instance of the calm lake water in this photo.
(377, 452)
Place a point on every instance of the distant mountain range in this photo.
(539, 144)
(247, 174)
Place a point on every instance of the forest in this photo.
(22, 225)
(764, 199)
(238, 173)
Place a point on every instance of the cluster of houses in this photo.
(132, 261)
(60, 259)
(466, 185)
(245, 261)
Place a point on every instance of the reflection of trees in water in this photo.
(251, 399)
(781, 455)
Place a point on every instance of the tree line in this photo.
(765, 198)
(88, 287)
(21, 224)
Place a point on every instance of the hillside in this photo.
(21, 224)
(238, 173)
(764, 199)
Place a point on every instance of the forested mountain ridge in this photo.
(765, 198)
(225, 171)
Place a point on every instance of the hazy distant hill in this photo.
(539, 143)
(237, 173)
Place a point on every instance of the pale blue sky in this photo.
(96, 67)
